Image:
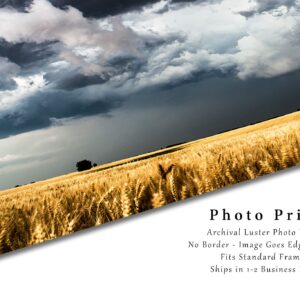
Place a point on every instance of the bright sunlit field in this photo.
(45, 210)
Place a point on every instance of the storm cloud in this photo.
(85, 61)
(26, 55)
(41, 111)
(7, 72)
(90, 8)
(261, 6)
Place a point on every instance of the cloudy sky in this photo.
(108, 79)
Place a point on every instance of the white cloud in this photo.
(271, 47)
(208, 37)
(218, 38)
(44, 22)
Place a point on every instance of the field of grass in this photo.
(60, 206)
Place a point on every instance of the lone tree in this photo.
(84, 165)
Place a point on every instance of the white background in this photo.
(146, 256)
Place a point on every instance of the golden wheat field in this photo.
(43, 211)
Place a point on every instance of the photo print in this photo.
(110, 108)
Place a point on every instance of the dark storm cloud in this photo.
(26, 55)
(217, 104)
(197, 76)
(103, 8)
(76, 81)
(81, 73)
(268, 5)
(15, 4)
(41, 110)
(71, 80)
(7, 84)
(91, 8)
(7, 71)
(200, 1)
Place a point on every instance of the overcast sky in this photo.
(109, 79)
